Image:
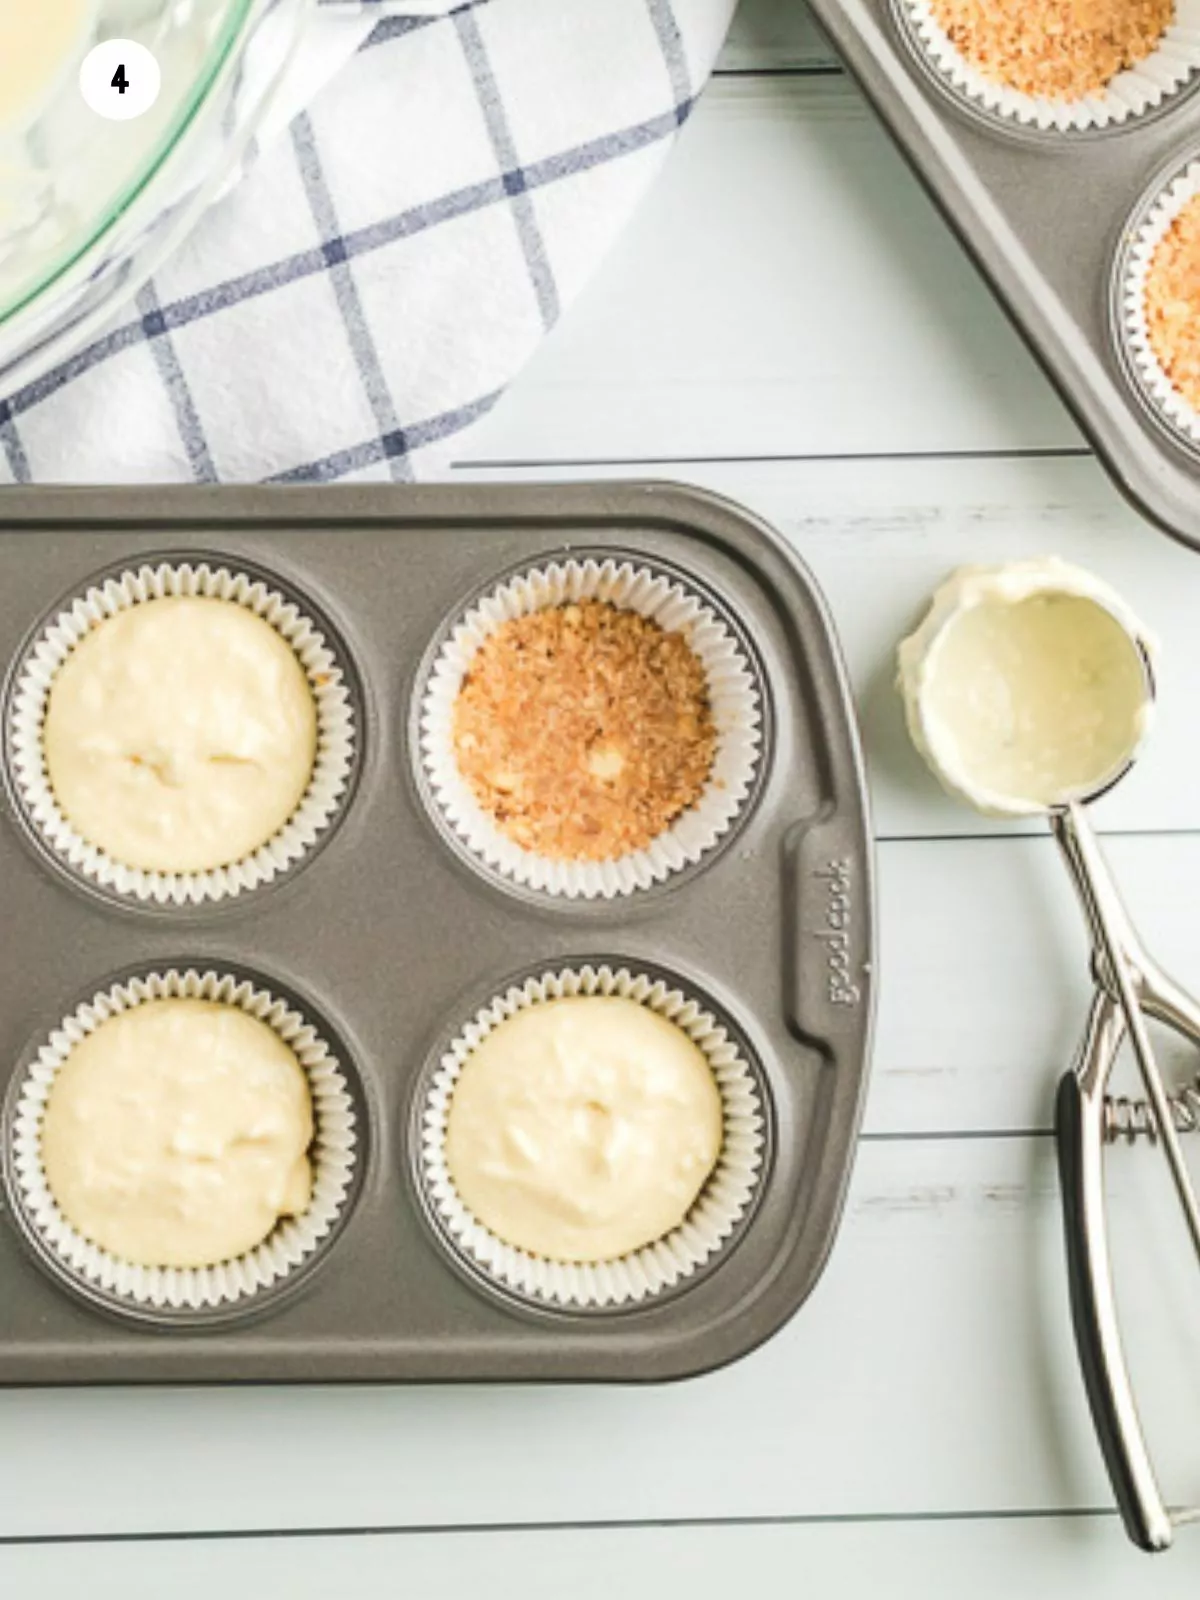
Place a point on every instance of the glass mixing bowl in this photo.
(90, 207)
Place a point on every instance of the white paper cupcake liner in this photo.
(734, 697)
(669, 1261)
(1130, 94)
(336, 734)
(1134, 272)
(291, 1243)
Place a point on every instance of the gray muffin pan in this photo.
(1045, 217)
(390, 939)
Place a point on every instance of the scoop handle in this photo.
(1079, 1136)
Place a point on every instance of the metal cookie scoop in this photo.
(1130, 984)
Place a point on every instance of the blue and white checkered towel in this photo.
(394, 256)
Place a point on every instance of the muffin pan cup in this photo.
(1148, 228)
(711, 1223)
(734, 692)
(1132, 93)
(390, 941)
(1045, 216)
(30, 683)
(180, 1296)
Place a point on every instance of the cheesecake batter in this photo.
(40, 40)
(582, 1129)
(177, 1134)
(1025, 687)
(180, 734)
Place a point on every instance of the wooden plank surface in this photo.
(932, 1371)
(776, 36)
(1068, 1559)
(788, 290)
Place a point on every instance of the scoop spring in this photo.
(1131, 1120)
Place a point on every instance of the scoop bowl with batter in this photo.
(1028, 686)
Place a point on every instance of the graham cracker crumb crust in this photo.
(1057, 49)
(1173, 302)
(585, 730)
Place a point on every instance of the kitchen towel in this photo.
(392, 258)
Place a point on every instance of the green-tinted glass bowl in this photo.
(93, 206)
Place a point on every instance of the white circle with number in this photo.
(120, 79)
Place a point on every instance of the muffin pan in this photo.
(1050, 216)
(389, 940)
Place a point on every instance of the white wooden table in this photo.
(787, 322)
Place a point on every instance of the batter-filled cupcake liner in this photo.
(294, 1240)
(1133, 275)
(1129, 95)
(335, 749)
(735, 698)
(670, 1261)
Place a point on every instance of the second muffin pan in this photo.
(393, 940)
(1050, 209)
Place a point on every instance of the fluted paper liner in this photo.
(734, 697)
(292, 1242)
(1134, 326)
(1127, 96)
(669, 1261)
(332, 766)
